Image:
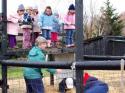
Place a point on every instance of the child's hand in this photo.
(59, 70)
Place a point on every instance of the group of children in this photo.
(45, 33)
(47, 24)
(19, 22)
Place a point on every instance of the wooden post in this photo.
(51, 58)
(79, 43)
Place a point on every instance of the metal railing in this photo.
(85, 65)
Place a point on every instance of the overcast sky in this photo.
(57, 5)
(62, 5)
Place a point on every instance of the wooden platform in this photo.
(20, 52)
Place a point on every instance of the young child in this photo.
(36, 28)
(33, 76)
(69, 25)
(26, 27)
(46, 22)
(91, 85)
(13, 25)
(55, 31)
(66, 84)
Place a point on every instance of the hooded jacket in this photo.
(47, 22)
(93, 85)
(36, 55)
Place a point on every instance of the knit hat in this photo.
(29, 7)
(35, 7)
(72, 7)
(86, 77)
(40, 40)
(69, 83)
(21, 7)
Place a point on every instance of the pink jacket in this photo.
(69, 22)
(12, 25)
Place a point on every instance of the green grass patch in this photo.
(17, 72)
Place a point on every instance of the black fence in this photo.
(85, 65)
(107, 45)
(103, 46)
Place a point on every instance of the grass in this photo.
(17, 72)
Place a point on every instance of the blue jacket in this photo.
(35, 55)
(47, 21)
(93, 85)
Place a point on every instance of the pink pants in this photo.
(26, 38)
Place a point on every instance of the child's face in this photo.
(35, 11)
(20, 12)
(71, 11)
(43, 46)
(30, 11)
(48, 11)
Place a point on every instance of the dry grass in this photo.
(112, 78)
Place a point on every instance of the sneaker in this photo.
(10, 48)
(67, 46)
(16, 47)
(72, 45)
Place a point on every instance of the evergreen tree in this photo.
(112, 22)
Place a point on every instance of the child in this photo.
(33, 76)
(65, 85)
(55, 31)
(12, 27)
(46, 22)
(36, 28)
(91, 85)
(69, 26)
(26, 27)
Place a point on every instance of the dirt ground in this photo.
(18, 86)
(112, 78)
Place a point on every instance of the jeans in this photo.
(69, 36)
(46, 34)
(34, 85)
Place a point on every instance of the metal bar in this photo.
(98, 57)
(79, 43)
(99, 65)
(4, 24)
(81, 65)
(115, 40)
(49, 64)
(4, 78)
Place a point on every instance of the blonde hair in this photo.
(40, 40)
